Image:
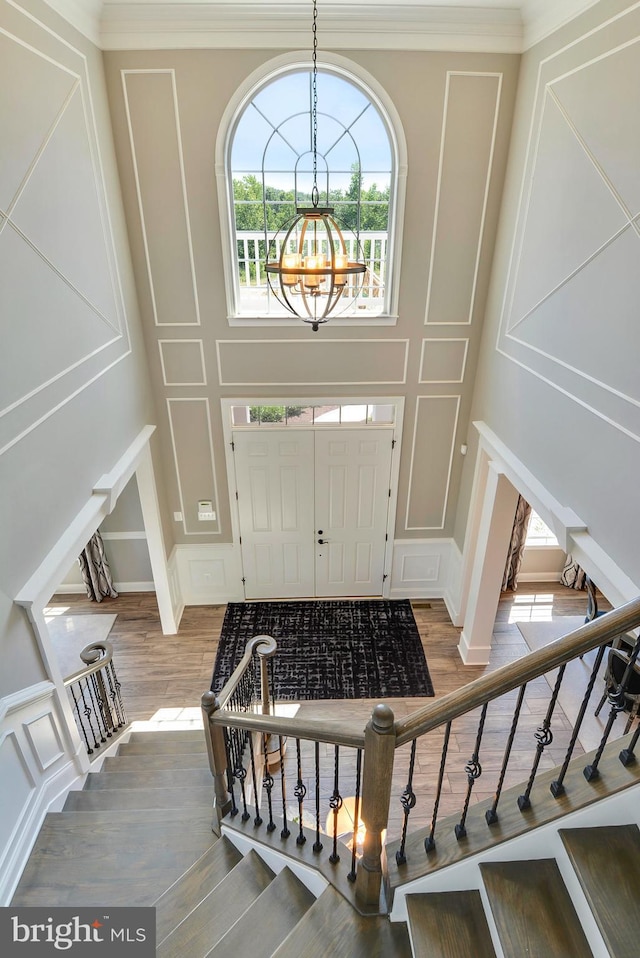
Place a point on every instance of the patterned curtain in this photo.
(573, 576)
(95, 569)
(516, 546)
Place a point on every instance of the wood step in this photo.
(533, 910)
(160, 761)
(177, 902)
(275, 913)
(163, 736)
(333, 927)
(150, 778)
(219, 911)
(100, 799)
(79, 861)
(607, 862)
(449, 924)
(165, 746)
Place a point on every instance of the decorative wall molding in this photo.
(432, 346)
(208, 574)
(33, 759)
(420, 568)
(206, 482)
(420, 434)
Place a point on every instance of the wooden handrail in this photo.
(333, 733)
(589, 636)
(88, 655)
(265, 646)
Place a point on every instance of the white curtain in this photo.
(95, 570)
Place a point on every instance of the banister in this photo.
(333, 733)
(589, 636)
(265, 646)
(93, 665)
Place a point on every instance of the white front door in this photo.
(297, 487)
(274, 483)
(351, 506)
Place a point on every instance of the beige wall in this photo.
(74, 388)
(558, 380)
(167, 171)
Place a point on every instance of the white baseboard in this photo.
(538, 577)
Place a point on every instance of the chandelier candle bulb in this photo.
(291, 261)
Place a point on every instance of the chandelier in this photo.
(309, 267)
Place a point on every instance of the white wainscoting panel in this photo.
(36, 770)
(208, 574)
(420, 568)
(452, 595)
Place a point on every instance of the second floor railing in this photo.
(303, 776)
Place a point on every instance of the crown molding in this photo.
(504, 26)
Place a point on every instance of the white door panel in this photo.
(295, 488)
(274, 477)
(352, 500)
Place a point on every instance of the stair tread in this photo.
(333, 927)
(607, 862)
(184, 895)
(159, 761)
(519, 893)
(168, 735)
(149, 778)
(213, 917)
(162, 747)
(116, 862)
(193, 796)
(275, 912)
(449, 925)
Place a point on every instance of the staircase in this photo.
(139, 833)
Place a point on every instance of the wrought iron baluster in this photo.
(544, 737)
(239, 739)
(491, 814)
(473, 768)
(95, 703)
(317, 845)
(87, 712)
(430, 841)
(76, 703)
(627, 755)
(557, 786)
(356, 816)
(408, 801)
(100, 709)
(300, 791)
(116, 695)
(283, 787)
(617, 701)
(335, 803)
(267, 782)
(258, 818)
(230, 789)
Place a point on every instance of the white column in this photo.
(494, 533)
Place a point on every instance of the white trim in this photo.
(373, 90)
(199, 342)
(420, 568)
(454, 434)
(440, 382)
(202, 399)
(123, 535)
(171, 73)
(454, 73)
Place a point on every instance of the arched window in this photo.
(266, 170)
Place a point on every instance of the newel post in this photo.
(214, 736)
(379, 748)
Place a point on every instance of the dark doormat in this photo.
(330, 649)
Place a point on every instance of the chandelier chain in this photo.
(314, 107)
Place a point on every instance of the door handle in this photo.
(321, 542)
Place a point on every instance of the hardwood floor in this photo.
(163, 677)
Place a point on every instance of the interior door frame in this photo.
(396, 401)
